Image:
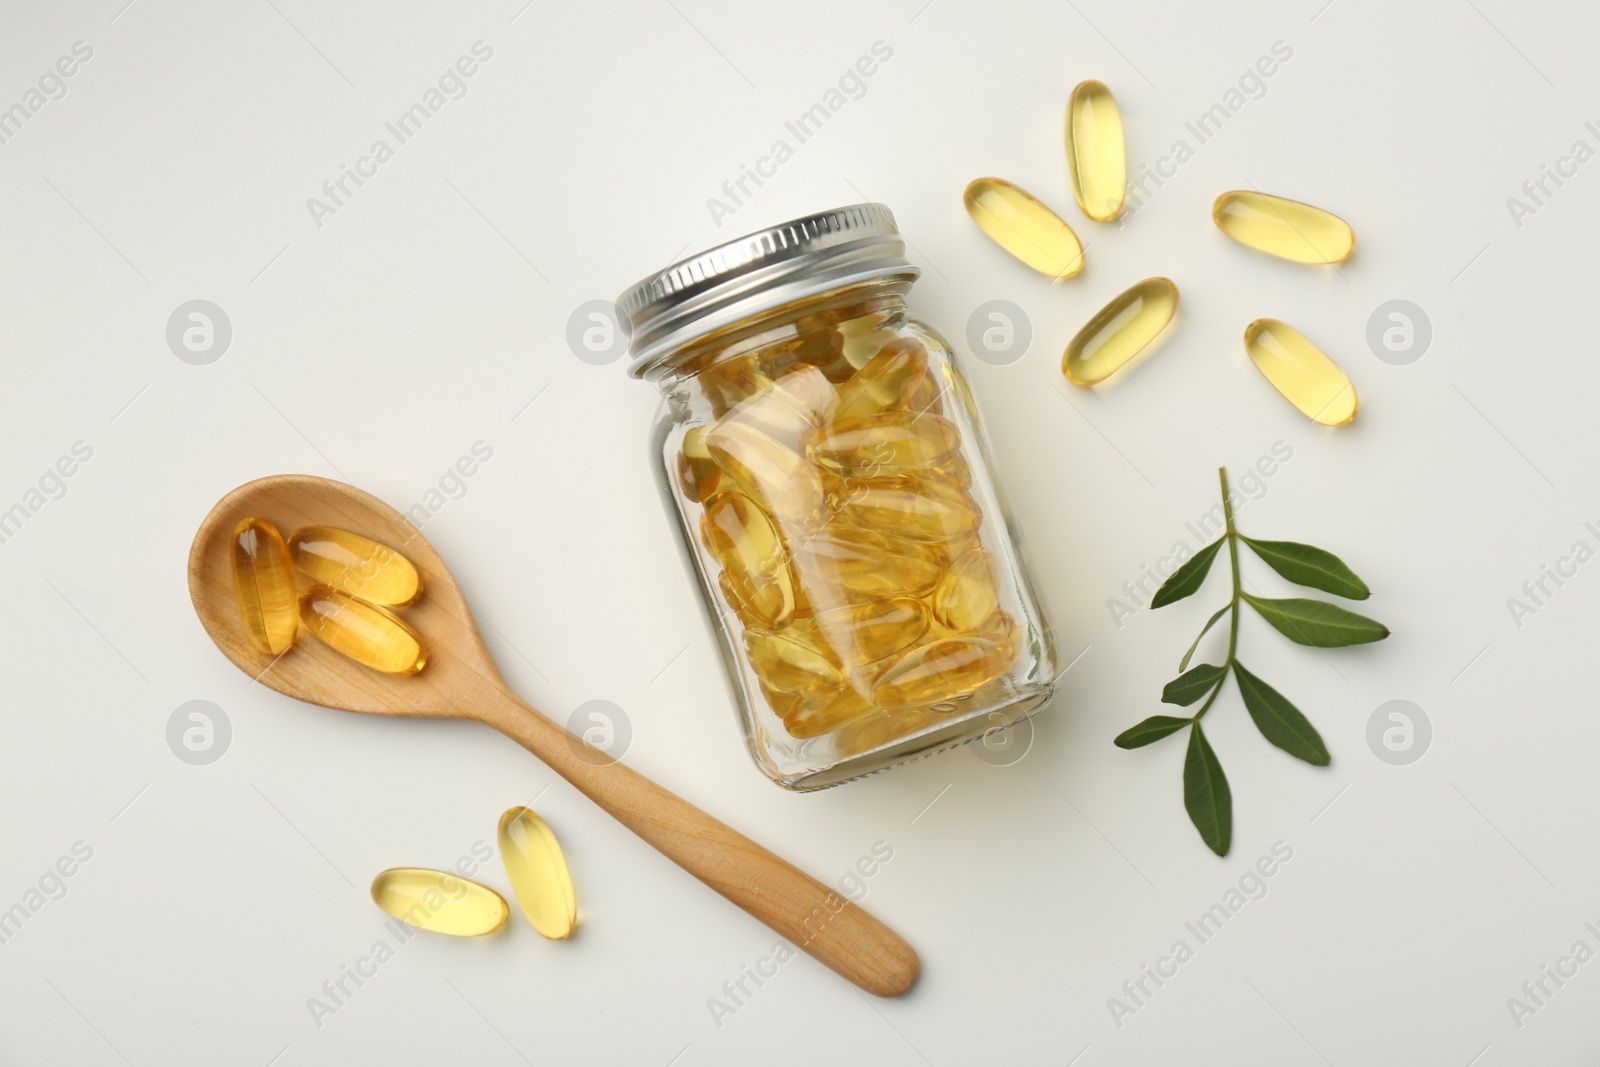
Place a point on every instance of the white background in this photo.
(427, 313)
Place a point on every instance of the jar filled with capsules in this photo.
(831, 481)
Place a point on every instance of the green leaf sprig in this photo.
(1304, 621)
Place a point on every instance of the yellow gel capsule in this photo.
(940, 670)
(698, 473)
(263, 580)
(865, 633)
(1096, 157)
(887, 381)
(931, 512)
(864, 565)
(1119, 331)
(776, 415)
(871, 731)
(439, 901)
(882, 446)
(356, 565)
(538, 872)
(815, 716)
(1301, 371)
(1024, 227)
(790, 661)
(969, 592)
(766, 470)
(955, 472)
(727, 382)
(1284, 228)
(369, 634)
(863, 339)
(807, 390)
(754, 560)
(822, 346)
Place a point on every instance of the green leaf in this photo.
(1310, 566)
(1191, 685)
(1151, 730)
(1184, 664)
(1280, 721)
(1317, 622)
(1186, 580)
(1205, 794)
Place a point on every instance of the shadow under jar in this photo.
(828, 467)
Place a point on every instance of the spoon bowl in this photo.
(310, 671)
(461, 681)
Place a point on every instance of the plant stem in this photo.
(1233, 605)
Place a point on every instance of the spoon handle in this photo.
(812, 916)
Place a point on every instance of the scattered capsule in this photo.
(882, 446)
(1284, 228)
(931, 512)
(790, 661)
(865, 565)
(439, 901)
(1301, 371)
(756, 577)
(767, 471)
(865, 633)
(969, 593)
(940, 670)
(1023, 226)
(815, 716)
(538, 872)
(1119, 331)
(263, 579)
(369, 634)
(1096, 157)
(356, 565)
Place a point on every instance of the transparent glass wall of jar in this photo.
(831, 476)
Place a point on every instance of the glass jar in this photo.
(829, 472)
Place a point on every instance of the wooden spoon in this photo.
(461, 681)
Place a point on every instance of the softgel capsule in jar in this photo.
(828, 469)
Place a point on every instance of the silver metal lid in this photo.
(757, 272)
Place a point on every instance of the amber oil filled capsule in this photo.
(263, 580)
(791, 661)
(1301, 371)
(863, 565)
(932, 512)
(439, 901)
(1119, 331)
(1023, 226)
(941, 670)
(1284, 228)
(356, 565)
(1096, 158)
(864, 633)
(969, 592)
(698, 473)
(815, 716)
(753, 557)
(371, 635)
(538, 871)
(768, 471)
(885, 445)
